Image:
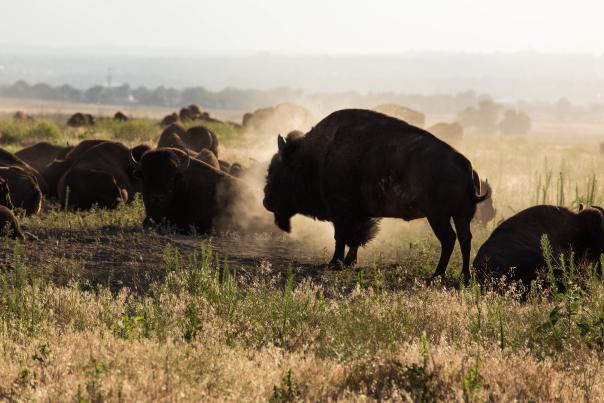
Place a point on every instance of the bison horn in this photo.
(281, 144)
(134, 164)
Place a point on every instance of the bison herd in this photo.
(352, 169)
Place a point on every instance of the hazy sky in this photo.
(307, 26)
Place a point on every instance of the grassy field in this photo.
(95, 308)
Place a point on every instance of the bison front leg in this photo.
(445, 234)
(338, 255)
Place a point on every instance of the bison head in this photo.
(278, 198)
(592, 227)
(162, 175)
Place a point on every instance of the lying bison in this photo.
(514, 248)
(357, 166)
(8, 160)
(41, 154)
(182, 190)
(101, 176)
(57, 168)
(200, 137)
(23, 188)
(79, 119)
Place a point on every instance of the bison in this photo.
(357, 166)
(101, 176)
(57, 168)
(514, 248)
(41, 154)
(23, 188)
(169, 119)
(79, 119)
(120, 117)
(200, 137)
(8, 159)
(181, 190)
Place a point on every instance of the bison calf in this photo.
(514, 248)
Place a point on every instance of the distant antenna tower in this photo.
(109, 78)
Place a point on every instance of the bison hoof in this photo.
(336, 265)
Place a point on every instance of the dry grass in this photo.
(99, 309)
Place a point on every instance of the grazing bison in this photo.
(57, 168)
(24, 190)
(41, 154)
(101, 176)
(514, 248)
(451, 133)
(169, 119)
(200, 137)
(79, 119)
(357, 166)
(183, 191)
(120, 117)
(485, 211)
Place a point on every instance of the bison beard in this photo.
(357, 166)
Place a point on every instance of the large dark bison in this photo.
(101, 176)
(23, 188)
(357, 166)
(41, 154)
(183, 191)
(57, 168)
(514, 248)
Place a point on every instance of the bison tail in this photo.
(478, 197)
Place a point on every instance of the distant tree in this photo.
(515, 122)
(483, 118)
(94, 94)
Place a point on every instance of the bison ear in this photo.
(281, 144)
(580, 207)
